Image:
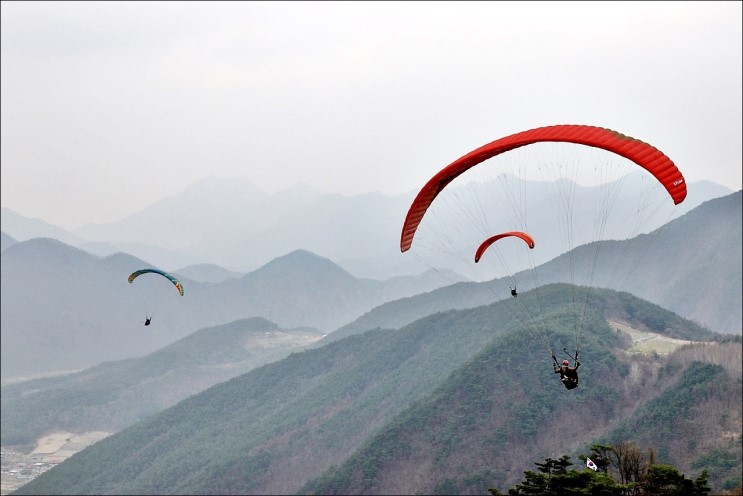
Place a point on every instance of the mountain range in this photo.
(411, 390)
(65, 309)
(453, 403)
(232, 224)
(691, 266)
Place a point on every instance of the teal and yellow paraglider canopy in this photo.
(172, 279)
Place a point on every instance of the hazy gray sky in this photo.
(108, 107)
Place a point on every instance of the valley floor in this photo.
(19, 468)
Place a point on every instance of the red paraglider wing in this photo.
(641, 153)
(486, 244)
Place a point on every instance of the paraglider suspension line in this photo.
(571, 356)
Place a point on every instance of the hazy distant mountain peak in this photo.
(211, 184)
(49, 247)
(7, 240)
(123, 257)
(208, 273)
(22, 228)
(302, 261)
(300, 187)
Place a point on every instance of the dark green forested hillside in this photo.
(463, 399)
(694, 423)
(491, 418)
(487, 415)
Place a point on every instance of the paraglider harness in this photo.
(513, 291)
(147, 320)
(568, 377)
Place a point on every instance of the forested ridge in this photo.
(458, 402)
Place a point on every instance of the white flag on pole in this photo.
(590, 464)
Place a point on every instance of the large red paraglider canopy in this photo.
(639, 152)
